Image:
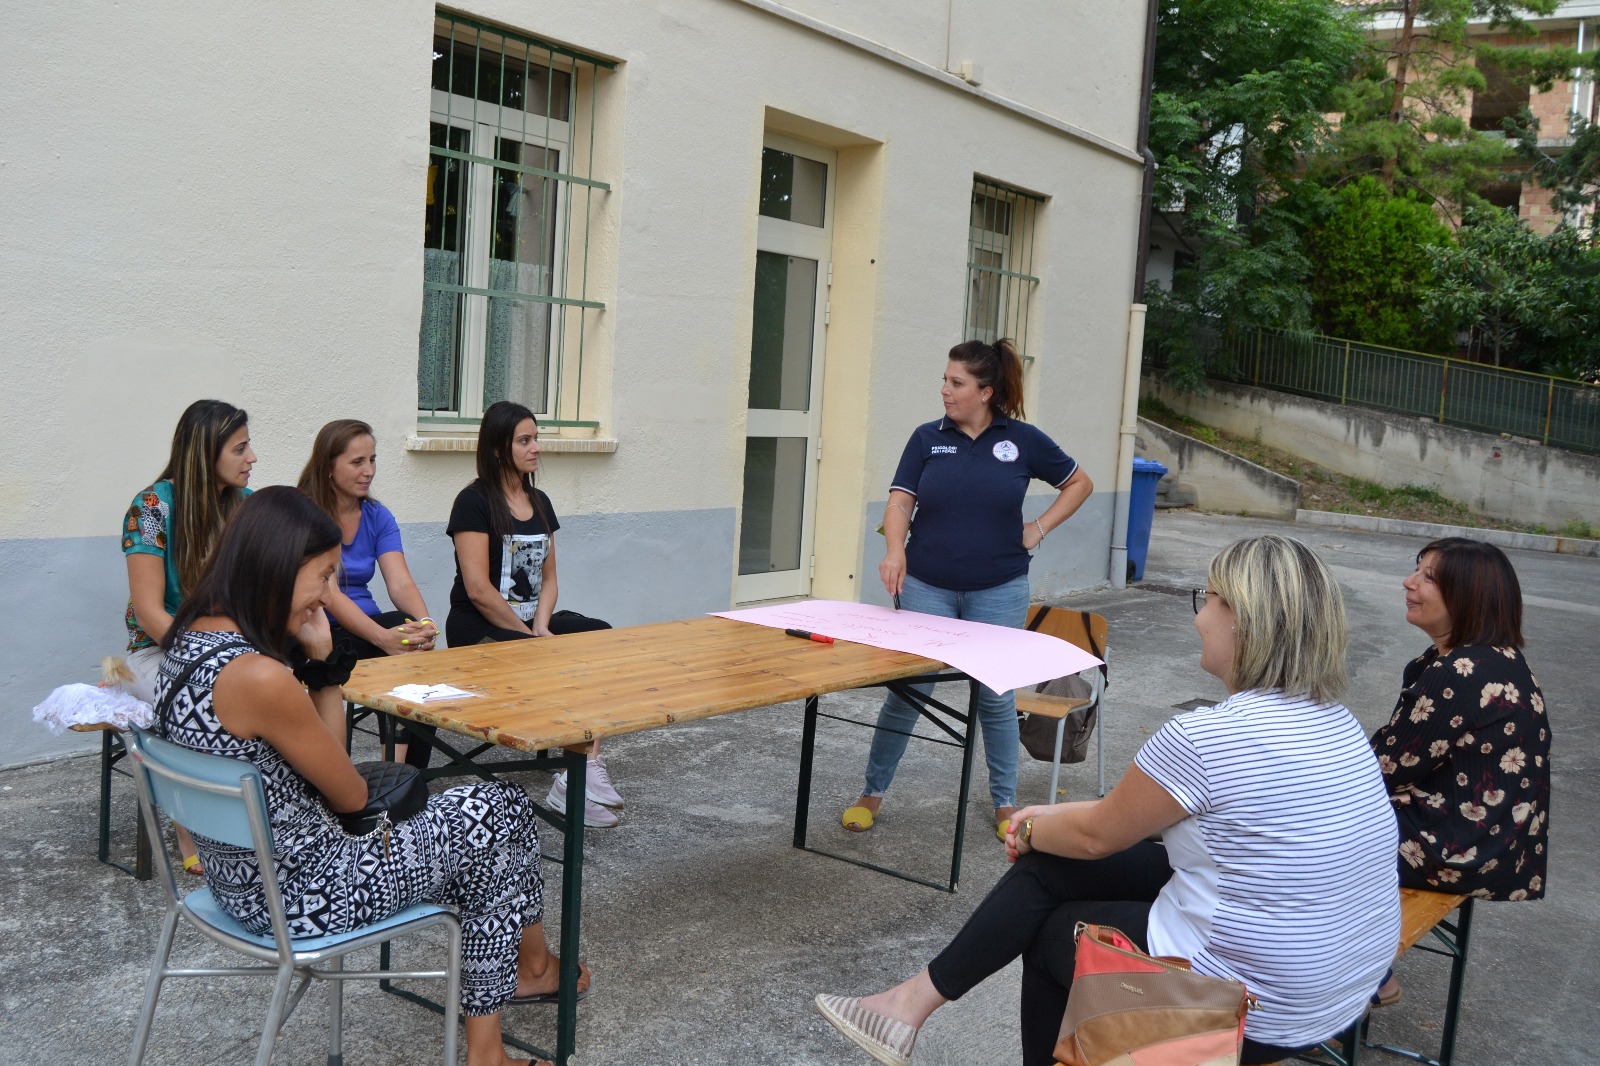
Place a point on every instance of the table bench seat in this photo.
(1421, 912)
(111, 753)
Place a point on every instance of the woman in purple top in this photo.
(338, 476)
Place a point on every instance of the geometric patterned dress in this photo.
(474, 848)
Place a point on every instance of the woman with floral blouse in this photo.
(1466, 755)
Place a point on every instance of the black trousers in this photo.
(1033, 912)
(420, 737)
(364, 648)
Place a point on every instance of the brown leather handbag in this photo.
(1126, 1007)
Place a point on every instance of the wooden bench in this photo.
(1420, 913)
(112, 752)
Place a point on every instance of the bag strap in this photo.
(188, 671)
(1088, 630)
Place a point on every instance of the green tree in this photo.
(1403, 116)
(1373, 266)
(1531, 301)
(1241, 91)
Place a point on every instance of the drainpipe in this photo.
(1577, 88)
(1133, 355)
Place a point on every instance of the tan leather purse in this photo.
(1124, 1003)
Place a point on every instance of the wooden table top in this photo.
(555, 691)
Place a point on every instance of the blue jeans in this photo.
(1003, 605)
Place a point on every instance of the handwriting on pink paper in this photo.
(999, 657)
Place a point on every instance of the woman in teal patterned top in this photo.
(169, 532)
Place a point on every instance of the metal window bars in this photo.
(1000, 252)
(509, 219)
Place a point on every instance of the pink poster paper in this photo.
(998, 656)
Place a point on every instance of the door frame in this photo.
(808, 242)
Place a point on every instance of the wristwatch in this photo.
(1027, 832)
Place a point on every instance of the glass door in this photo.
(788, 337)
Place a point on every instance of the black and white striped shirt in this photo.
(1285, 873)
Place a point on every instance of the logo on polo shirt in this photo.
(942, 449)
(1005, 451)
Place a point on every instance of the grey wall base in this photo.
(65, 597)
(1073, 557)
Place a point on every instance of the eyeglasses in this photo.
(1198, 598)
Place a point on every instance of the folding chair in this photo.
(222, 799)
(1088, 631)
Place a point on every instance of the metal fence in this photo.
(1555, 411)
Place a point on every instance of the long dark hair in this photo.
(495, 434)
(199, 511)
(250, 578)
(333, 440)
(996, 366)
(1480, 590)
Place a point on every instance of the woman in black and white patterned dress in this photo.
(474, 847)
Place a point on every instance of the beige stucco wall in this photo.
(229, 203)
(235, 210)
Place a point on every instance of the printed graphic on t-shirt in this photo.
(1005, 451)
(522, 572)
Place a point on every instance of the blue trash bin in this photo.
(1142, 513)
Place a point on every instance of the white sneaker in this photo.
(594, 815)
(597, 784)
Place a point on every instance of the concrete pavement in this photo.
(709, 934)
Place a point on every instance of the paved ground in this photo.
(709, 934)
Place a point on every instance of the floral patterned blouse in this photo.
(1466, 757)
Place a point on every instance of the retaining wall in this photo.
(1219, 480)
(1497, 476)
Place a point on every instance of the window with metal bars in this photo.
(1000, 279)
(510, 197)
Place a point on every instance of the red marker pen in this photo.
(803, 635)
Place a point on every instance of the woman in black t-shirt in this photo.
(505, 588)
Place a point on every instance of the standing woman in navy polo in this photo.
(958, 492)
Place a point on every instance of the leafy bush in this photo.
(1372, 266)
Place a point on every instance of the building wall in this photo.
(231, 206)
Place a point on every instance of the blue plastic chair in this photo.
(221, 798)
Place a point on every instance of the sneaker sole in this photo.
(560, 807)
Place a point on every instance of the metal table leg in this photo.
(571, 826)
(112, 751)
(1456, 938)
(571, 907)
(925, 705)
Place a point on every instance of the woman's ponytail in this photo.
(996, 366)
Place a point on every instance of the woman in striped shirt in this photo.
(1276, 866)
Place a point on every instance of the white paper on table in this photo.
(429, 693)
(999, 656)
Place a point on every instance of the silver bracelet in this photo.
(1040, 528)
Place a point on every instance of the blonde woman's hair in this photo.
(1289, 625)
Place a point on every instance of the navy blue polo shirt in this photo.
(967, 533)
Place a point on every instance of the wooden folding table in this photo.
(537, 696)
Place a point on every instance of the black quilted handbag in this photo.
(393, 789)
